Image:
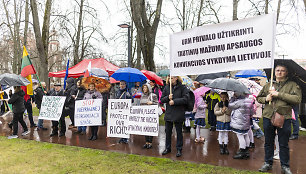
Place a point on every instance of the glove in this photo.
(94, 97)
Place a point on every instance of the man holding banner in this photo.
(58, 91)
(175, 112)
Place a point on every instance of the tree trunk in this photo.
(278, 10)
(145, 30)
(199, 13)
(235, 7)
(77, 39)
(46, 26)
(267, 6)
(40, 45)
(138, 50)
(305, 5)
(26, 23)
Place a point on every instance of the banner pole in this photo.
(271, 81)
(170, 83)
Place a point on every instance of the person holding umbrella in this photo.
(176, 99)
(17, 101)
(284, 94)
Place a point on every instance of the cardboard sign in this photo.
(88, 112)
(51, 107)
(118, 113)
(144, 120)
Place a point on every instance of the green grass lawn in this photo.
(25, 156)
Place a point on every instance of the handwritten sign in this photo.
(118, 113)
(143, 120)
(88, 112)
(51, 107)
(237, 45)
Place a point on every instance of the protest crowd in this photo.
(128, 101)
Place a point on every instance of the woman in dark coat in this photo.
(17, 102)
(175, 112)
(79, 95)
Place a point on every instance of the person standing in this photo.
(18, 107)
(223, 114)
(212, 99)
(92, 93)
(176, 102)
(148, 98)
(284, 94)
(58, 91)
(295, 123)
(69, 102)
(39, 92)
(242, 110)
(79, 95)
(156, 90)
(136, 92)
(123, 93)
(28, 106)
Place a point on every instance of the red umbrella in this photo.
(112, 80)
(152, 76)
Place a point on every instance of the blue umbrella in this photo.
(250, 73)
(129, 75)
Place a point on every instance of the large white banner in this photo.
(144, 120)
(237, 45)
(88, 112)
(117, 122)
(51, 107)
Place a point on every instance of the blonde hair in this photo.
(178, 79)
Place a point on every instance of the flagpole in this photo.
(35, 73)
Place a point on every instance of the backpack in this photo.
(191, 101)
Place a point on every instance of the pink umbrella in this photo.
(200, 92)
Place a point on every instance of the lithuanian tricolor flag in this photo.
(27, 69)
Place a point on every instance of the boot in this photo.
(240, 154)
(221, 149)
(225, 149)
(259, 133)
(247, 153)
(187, 129)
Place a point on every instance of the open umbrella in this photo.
(13, 80)
(99, 73)
(187, 81)
(206, 81)
(102, 85)
(252, 86)
(296, 73)
(112, 80)
(152, 76)
(211, 76)
(250, 73)
(229, 85)
(200, 91)
(129, 75)
(163, 73)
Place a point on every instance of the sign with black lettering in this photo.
(236, 45)
(118, 113)
(51, 107)
(144, 120)
(88, 112)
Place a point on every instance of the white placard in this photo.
(117, 122)
(237, 45)
(88, 112)
(144, 120)
(51, 107)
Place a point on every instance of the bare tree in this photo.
(42, 38)
(82, 26)
(26, 22)
(235, 9)
(146, 25)
(14, 27)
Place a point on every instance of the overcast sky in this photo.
(292, 45)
